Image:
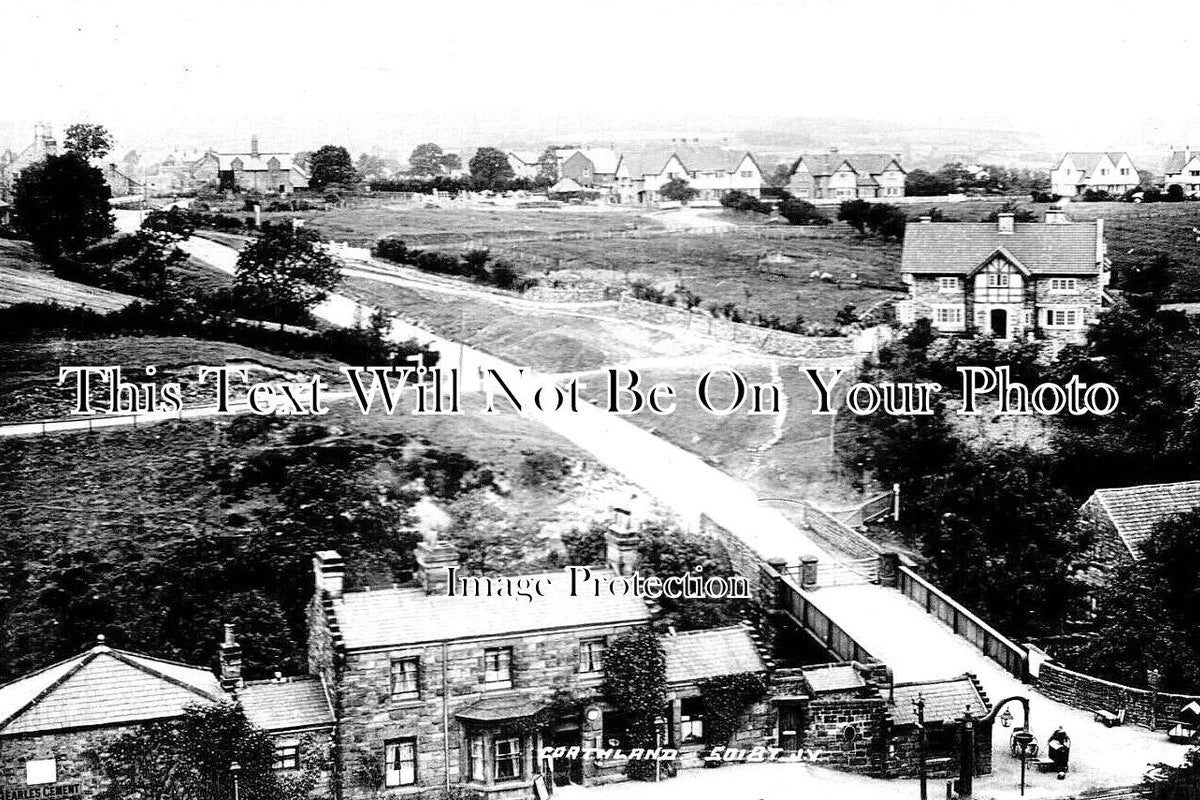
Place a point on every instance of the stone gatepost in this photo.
(808, 572)
(889, 569)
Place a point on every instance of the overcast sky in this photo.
(1064, 68)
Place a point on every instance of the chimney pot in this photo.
(229, 656)
(329, 571)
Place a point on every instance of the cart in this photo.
(1014, 745)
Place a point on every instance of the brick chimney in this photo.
(1055, 215)
(1004, 223)
(230, 657)
(329, 571)
(254, 145)
(621, 541)
(434, 560)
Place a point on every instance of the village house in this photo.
(593, 167)
(1117, 522)
(713, 171)
(1006, 280)
(439, 691)
(1077, 173)
(1183, 169)
(853, 176)
(525, 163)
(54, 722)
(120, 183)
(11, 164)
(256, 171)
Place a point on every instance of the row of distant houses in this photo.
(713, 171)
(1116, 174)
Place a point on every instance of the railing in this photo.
(987, 639)
(799, 606)
(848, 573)
(869, 510)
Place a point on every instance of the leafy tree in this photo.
(664, 550)
(678, 189)
(779, 177)
(854, 213)
(427, 159)
(490, 169)
(189, 759)
(90, 141)
(1020, 214)
(1174, 782)
(635, 670)
(62, 204)
(922, 183)
(548, 165)
(801, 212)
(369, 165)
(285, 272)
(332, 165)
(1149, 615)
(886, 220)
(450, 162)
(488, 540)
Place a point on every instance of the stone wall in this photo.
(941, 749)
(765, 339)
(1143, 707)
(848, 732)
(551, 294)
(73, 751)
(837, 535)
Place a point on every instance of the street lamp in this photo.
(659, 722)
(1024, 741)
(234, 769)
(1006, 719)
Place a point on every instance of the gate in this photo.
(848, 573)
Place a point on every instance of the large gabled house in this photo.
(713, 171)
(1006, 280)
(1077, 173)
(1183, 169)
(591, 167)
(847, 176)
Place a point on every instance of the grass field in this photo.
(418, 224)
(29, 370)
(732, 268)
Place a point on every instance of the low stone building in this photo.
(850, 716)
(55, 723)
(1008, 279)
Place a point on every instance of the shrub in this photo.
(801, 212)
(741, 201)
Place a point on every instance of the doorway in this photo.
(999, 321)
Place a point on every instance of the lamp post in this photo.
(919, 708)
(1023, 739)
(234, 769)
(659, 722)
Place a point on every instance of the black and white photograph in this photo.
(599, 400)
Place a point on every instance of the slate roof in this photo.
(1087, 162)
(604, 159)
(1135, 510)
(957, 248)
(708, 653)
(646, 162)
(404, 616)
(565, 186)
(710, 158)
(944, 699)
(289, 705)
(833, 678)
(861, 163)
(103, 687)
(253, 163)
(1178, 160)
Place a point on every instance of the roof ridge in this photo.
(1144, 486)
(125, 658)
(84, 659)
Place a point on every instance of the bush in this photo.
(801, 212)
(1096, 196)
(741, 201)
(1175, 193)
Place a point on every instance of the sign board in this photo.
(50, 790)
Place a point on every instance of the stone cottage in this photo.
(1006, 280)
(55, 722)
(269, 173)
(437, 691)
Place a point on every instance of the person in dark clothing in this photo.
(1059, 746)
